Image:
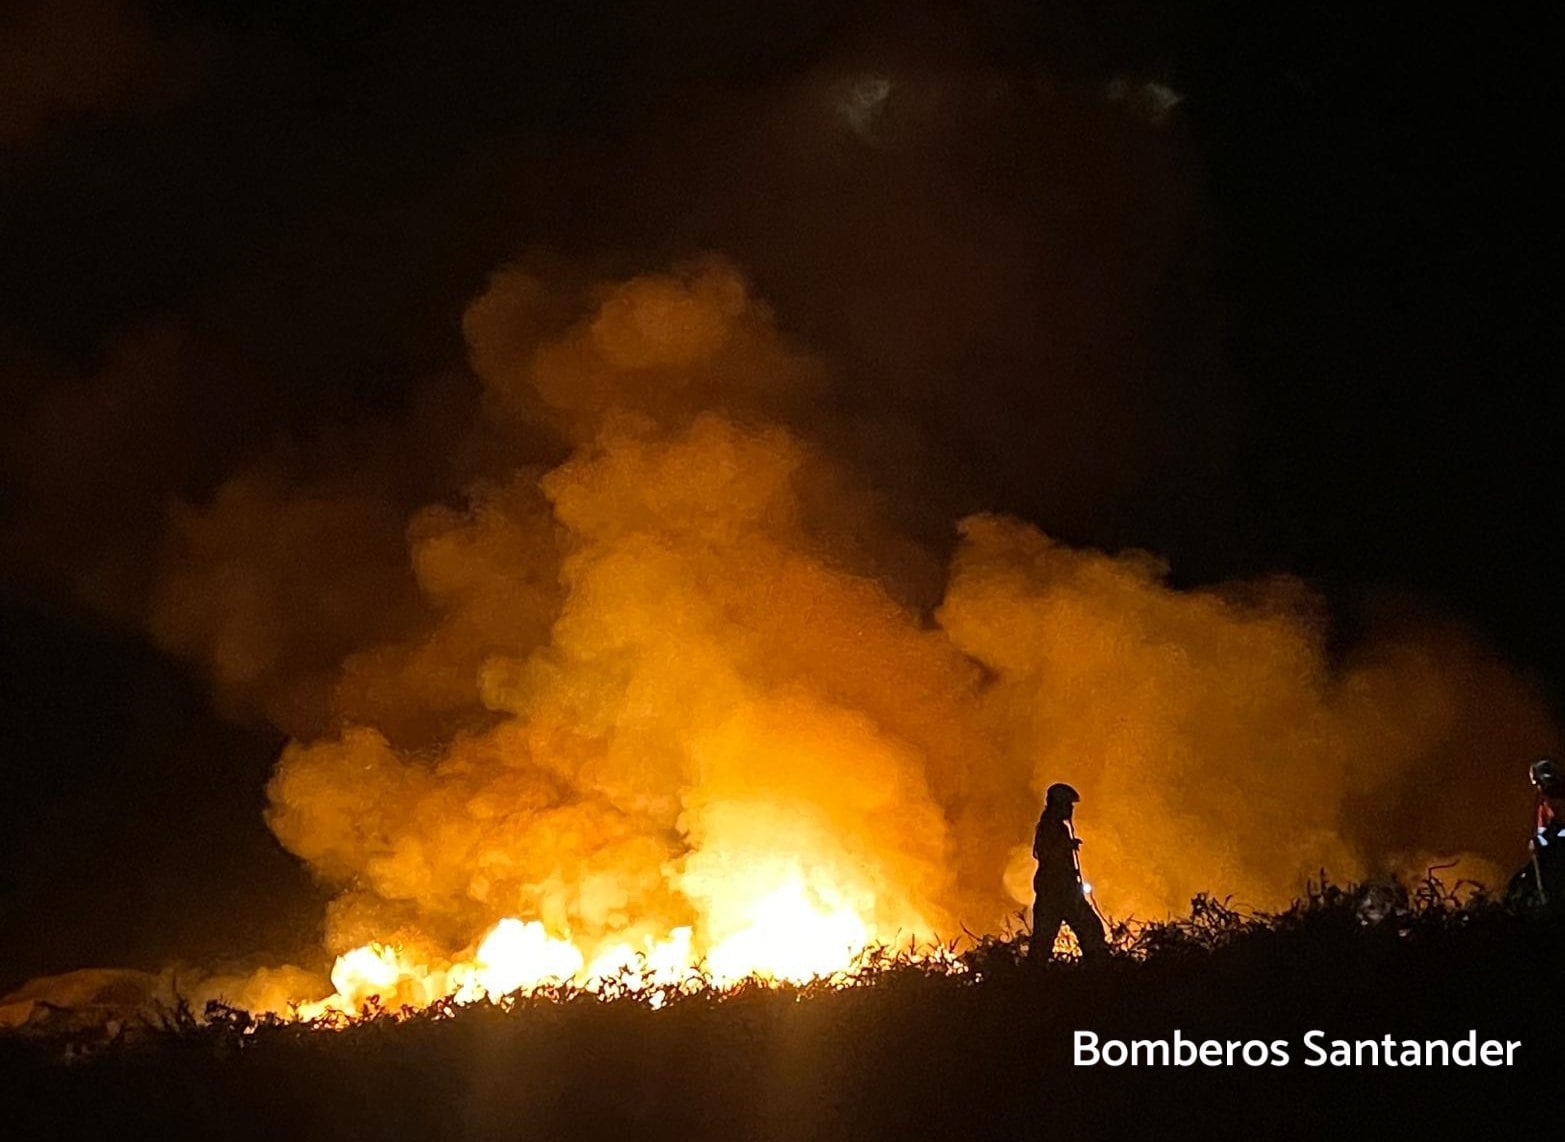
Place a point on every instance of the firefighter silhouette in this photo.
(1059, 897)
(1542, 880)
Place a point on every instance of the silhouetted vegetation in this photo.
(908, 1052)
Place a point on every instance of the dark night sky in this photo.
(1298, 327)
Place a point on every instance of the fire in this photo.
(795, 937)
(771, 914)
(376, 972)
(673, 699)
(373, 969)
(798, 934)
(658, 963)
(516, 956)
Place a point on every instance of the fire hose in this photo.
(1086, 886)
(1537, 869)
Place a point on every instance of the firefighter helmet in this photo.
(1546, 775)
(1060, 794)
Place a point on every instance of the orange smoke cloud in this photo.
(1213, 741)
(667, 686)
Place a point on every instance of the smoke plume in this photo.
(668, 669)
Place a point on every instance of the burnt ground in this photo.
(909, 1055)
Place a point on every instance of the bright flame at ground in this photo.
(516, 955)
(799, 933)
(686, 702)
(793, 938)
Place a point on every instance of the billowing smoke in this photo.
(1216, 743)
(666, 670)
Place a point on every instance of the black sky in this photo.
(1301, 325)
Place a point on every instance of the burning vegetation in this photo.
(906, 1051)
(598, 694)
(656, 687)
(649, 686)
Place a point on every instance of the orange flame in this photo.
(670, 709)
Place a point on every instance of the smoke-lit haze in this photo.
(759, 488)
(670, 676)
